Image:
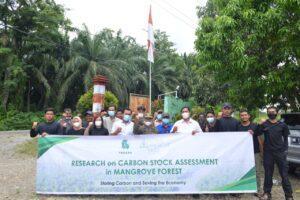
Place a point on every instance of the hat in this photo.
(88, 112)
(148, 116)
(227, 105)
(141, 107)
(165, 115)
(160, 111)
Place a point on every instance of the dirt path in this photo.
(17, 177)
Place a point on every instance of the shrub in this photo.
(85, 102)
(14, 120)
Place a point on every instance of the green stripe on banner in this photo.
(45, 143)
(247, 182)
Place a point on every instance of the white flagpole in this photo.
(150, 88)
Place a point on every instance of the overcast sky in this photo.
(176, 17)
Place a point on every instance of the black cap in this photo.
(165, 115)
(227, 105)
(89, 112)
(141, 107)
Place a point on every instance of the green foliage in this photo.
(110, 99)
(85, 102)
(253, 47)
(14, 120)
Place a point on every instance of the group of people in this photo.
(270, 150)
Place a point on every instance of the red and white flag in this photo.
(150, 39)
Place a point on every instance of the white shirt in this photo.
(127, 128)
(108, 123)
(187, 127)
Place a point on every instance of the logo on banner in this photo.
(125, 144)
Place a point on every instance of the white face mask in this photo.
(185, 115)
(76, 124)
(210, 120)
(98, 123)
(140, 115)
(148, 123)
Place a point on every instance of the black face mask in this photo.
(272, 116)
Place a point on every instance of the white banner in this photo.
(147, 164)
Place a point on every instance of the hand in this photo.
(175, 129)
(44, 134)
(34, 125)
(119, 129)
(206, 129)
(64, 124)
(251, 132)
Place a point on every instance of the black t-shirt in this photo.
(254, 128)
(51, 128)
(98, 131)
(75, 132)
(276, 136)
(226, 124)
(211, 128)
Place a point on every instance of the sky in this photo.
(176, 17)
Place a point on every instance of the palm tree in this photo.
(100, 54)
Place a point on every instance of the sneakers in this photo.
(266, 196)
(289, 198)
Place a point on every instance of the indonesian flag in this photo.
(150, 39)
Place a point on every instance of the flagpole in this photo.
(150, 90)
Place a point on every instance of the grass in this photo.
(28, 148)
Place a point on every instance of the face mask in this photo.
(98, 123)
(111, 113)
(185, 115)
(127, 118)
(76, 124)
(148, 123)
(210, 120)
(272, 116)
(165, 120)
(140, 115)
(159, 117)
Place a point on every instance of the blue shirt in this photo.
(161, 129)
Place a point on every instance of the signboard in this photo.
(147, 164)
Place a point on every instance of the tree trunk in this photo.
(28, 96)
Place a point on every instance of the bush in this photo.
(110, 99)
(85, 102)
(14, 120)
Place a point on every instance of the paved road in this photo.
(17, 177)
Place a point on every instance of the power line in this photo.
(179, 11)
(174, 15)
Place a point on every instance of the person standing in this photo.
(202, 121)
(66, 120)
(275, 151)
(49, 127)
(211, 122)
(111, 119)
(76, 128)
(145, 126)
(124, 127)
(119, 114)
(141, 110)
(186, 125)
(88, 118)
(158, 118)
(247, 125)
(227, 123)
(96, 128)
(166, 126)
